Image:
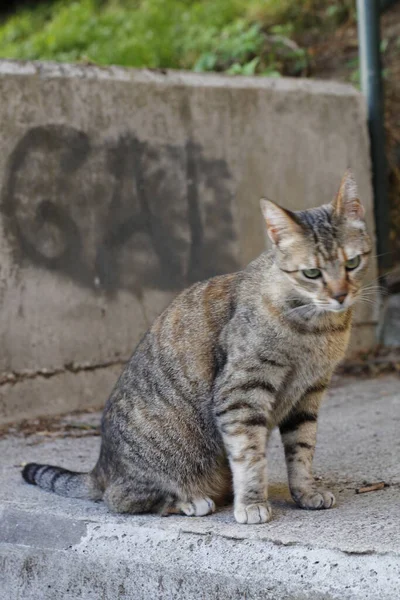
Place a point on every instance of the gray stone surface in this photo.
(55, 392)
(119, 187)
(52, 547)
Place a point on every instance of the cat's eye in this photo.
(312, 273)
(352, 263)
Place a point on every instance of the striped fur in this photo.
(230, 359)
(61, 481)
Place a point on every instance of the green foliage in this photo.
(232, 48)
(243, 37)
(152, 33)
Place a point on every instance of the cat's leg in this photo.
(135, 497)
(244, 433)
(140, 497)
(299, 433)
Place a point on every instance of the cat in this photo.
(230, 359)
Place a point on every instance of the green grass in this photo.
(235, 36)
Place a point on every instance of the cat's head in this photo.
(322, 251)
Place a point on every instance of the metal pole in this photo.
(370, 64)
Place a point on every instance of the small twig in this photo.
(371, 488)
(82, 426)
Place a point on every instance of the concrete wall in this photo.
(120, 187)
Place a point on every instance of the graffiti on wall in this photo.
(120, 215)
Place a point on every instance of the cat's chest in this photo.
(302, 363)
(312, 351)
(290, 361)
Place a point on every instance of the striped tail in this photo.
(62, 482)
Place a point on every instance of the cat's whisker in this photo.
(382, 293)
(367, 301)
(372, 300)
(299, 308)
(368, 293)
(365, 295)
(373, 290)
(372, 256)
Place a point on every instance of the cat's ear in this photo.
(347, 203)
(280, 222)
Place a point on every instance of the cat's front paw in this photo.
(314, 499)
(253, 514)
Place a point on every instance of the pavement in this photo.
(53, 547)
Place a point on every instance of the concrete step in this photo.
(52, 547)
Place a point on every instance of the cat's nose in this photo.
(340, 297)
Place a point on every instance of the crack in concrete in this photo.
(13, 377)
(289, 543)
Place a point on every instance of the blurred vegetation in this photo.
(234, 36)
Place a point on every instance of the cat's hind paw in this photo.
(314, 499)
(253, 514)
(198, 507)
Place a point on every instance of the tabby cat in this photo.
(226, 362)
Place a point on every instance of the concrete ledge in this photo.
(57, 547)
(25, 396)
(118, 188)
(51, 70)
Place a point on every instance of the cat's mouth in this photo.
(339, 309)
(335, 306)
(303, 310)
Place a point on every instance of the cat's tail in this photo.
(62, 482)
